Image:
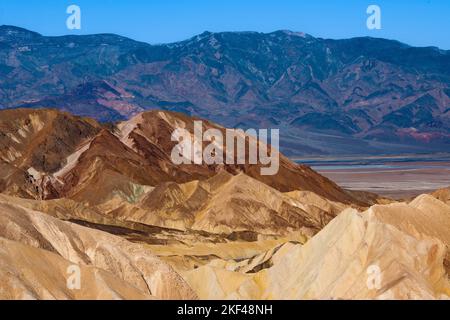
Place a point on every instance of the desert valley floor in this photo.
(395, 176)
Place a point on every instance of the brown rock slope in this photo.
(42, 138)
(35, 143)
(104, 167)
(155, 128)
(48, 154)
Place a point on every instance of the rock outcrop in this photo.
(356, 256)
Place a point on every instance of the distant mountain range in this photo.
(360, 95)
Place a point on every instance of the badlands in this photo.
(108, 199)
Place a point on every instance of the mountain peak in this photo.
(294, 33)
(206, 33)
(13, 32)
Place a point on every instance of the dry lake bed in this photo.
(393, 176)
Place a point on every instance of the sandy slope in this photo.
(336, 264)
(31, 273)
(128, 262)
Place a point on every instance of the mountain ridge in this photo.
(7, 27)
(49, 154)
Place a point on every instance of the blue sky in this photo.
(416, 22)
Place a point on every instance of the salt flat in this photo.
(396, 177)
